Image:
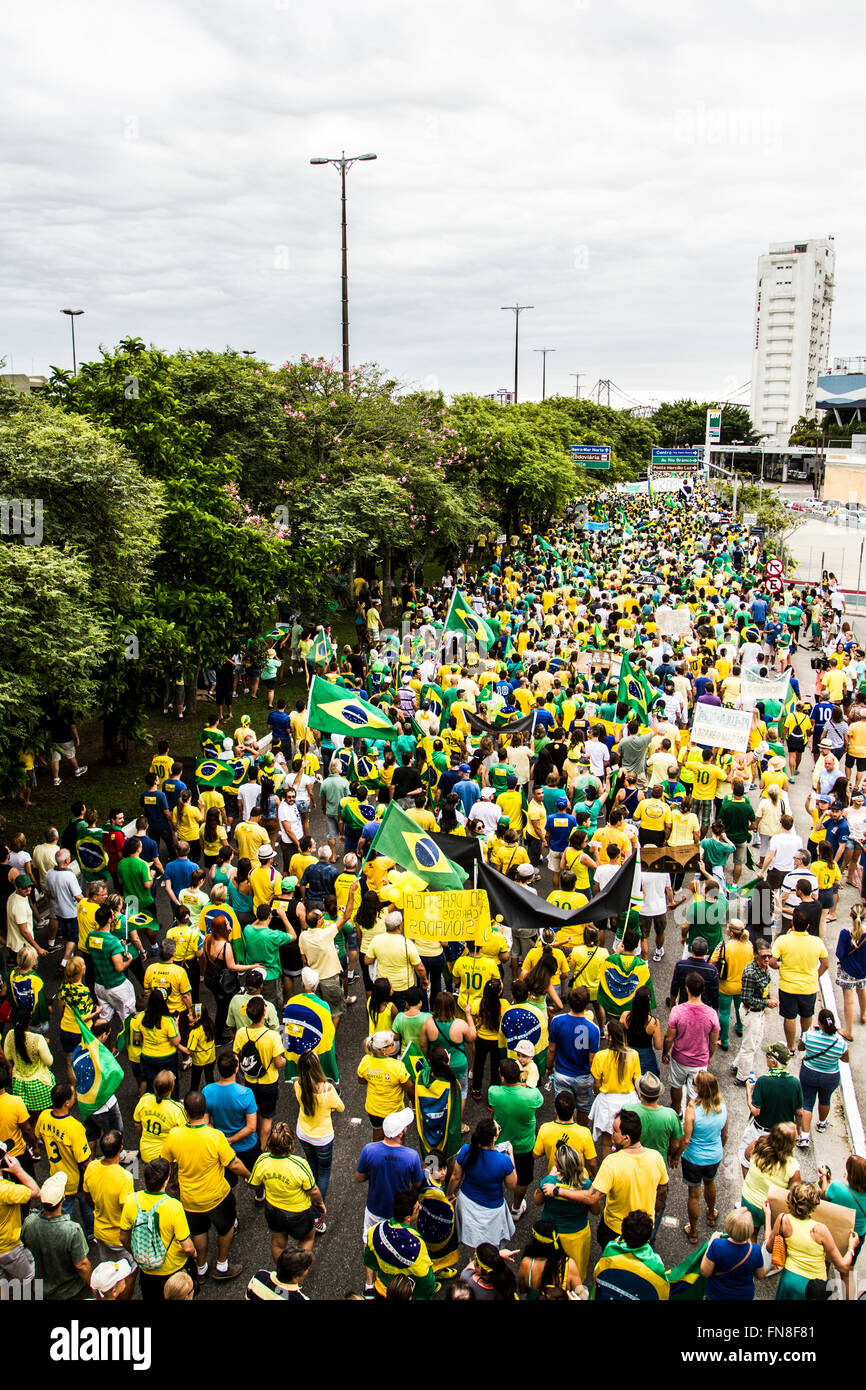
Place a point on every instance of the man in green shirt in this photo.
(705, 915)
(58, 1245)
(774, 1099)
(514, 1106)
(661, 1128)
(114, 991)
(738, 817)
(136, 877)
(262, 944)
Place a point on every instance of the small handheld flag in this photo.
(97, 1073)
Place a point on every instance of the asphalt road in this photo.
(338, 1266)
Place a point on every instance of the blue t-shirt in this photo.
(390, 1170)
(576, 1040)
(171, 790)
(482, 1183)
(155, 807)
(705, 1145)
(544, 718)
(280, 722)
(558, 828)
(179, 874)
(733, 1277)
(228, 1107)
(149, 848)
(758, 610)
(469, 792)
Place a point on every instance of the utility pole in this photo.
(577, 376)
(72, 315)
(517, 310)
(544, 352)
(343, 164)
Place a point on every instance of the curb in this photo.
(853, 1118)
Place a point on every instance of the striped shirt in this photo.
(823, 1052)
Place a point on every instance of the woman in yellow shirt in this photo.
(160, 1040)
(317, 1102)
(202, 1046)
(808, 1243)
(615, 1072)
(731, 957)
(829, 876)
(290, 1192)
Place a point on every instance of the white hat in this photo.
(53, 1190)
(384, 1038)
(524, 1048)
(109, 1273)
(398, 1123)
(487, 793)
(525, 871)
(267, 852)
(309, 978)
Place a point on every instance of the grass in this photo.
(105, 786)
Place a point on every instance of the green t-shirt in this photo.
(716, 852)
(567, 1216)
(58, 1243)
(658, 1127)
(102, 945)
(840, 1192)
(133, 874)
(777, 1096)
(514, 1110)
(334, 789)
(262, 947)
(408, 1028)
(706, 920)
(736, 817)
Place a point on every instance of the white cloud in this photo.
(618, 166)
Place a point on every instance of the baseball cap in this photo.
(309, 978)
(487, 793)
(525, 871)
(524, 1048)
(464, 767)
(53, 1190)
(23, 881)
(561, 801)
(503, 821)
(383, 1038)
(289, 883)
(834, 806)
(649, 1086)
(395, 1124)
(109, 1273)
(779, 1051)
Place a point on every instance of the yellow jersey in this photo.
(109, 1185)
(66, 1146)
(201, 1153)
(157, 1119)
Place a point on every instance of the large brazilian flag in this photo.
(97, 1073)
(309, 1027)
(463, 618)
(400, 838)
(216, 773)
(335, 710)
(622, 977)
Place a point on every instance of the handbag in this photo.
(780, 1251)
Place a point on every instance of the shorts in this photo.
(63, 750)
(333, 824)
(796, 743)
(680, 1075)
(221, 1217)
(580, 1087)
(67, 929)
(796, 1005)
(377, 1121)
(296, 1224)
(524, 1166)
(696, 1173)
(740, 853)
(69, 1041)
(826, 896)
(845, 981)
(267, 1094)
(860, 763)
(656, 924)
(269, 682)
(331, 990)
(817, 1085)
(554, 859)
(522, 940)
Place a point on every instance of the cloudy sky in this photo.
(619, 166)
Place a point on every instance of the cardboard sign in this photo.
(672, 622)
(716, 727)
(754, 687)
(838, 1220)
(463, 915)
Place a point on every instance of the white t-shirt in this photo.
(248, 796)
(288, 814)
(598, 755)
(785, 846)
(605, 873)
(653, 888)
(488, 813)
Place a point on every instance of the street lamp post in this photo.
(577, 376)
(517, 310)
(343, 164)
(73, 315)
(544, 352)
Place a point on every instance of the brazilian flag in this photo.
(98, 1074)
(211, 739)
(214, 772)
(141, 919)
(321, 650)
(335, 711)
(463, 618)
(402, 839)
(309, 1027)
(685, 1279)
(437, 1114)
(621, 1276)
(437, 1228)
(91, 855)
(622, 977)
(434, 697)
(634, 689)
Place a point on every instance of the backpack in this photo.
(250, 1062)
(721, 963)
(148, 1247)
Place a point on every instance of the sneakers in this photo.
(521, 1211)
(321, 1226)
(821, 1126)
(56, 781)
(476, 1095)
(659, 954)
(803, 1142)
(233, 1272)
(351, 998)
(80, 771)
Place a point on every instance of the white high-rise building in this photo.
(793, 304)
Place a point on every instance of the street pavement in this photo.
(338, 1267)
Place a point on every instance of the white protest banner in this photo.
(716, 727)
(672, 622)
(754, 687)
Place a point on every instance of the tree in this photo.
(682, 423)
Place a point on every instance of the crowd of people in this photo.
(224, 948)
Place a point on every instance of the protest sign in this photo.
(716, 727)
(754, 687)
(450, 916)
(672, 622)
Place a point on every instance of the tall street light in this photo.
(343, 164)
(577, 376)
(544, 352)
(73, 315)
(517, 310)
